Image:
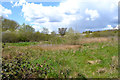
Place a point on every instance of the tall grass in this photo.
(70, 63)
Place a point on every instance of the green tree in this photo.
(9, 25)
(53, 33)
(70, 31)
(26, 28)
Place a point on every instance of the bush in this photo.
(25, 36)
(56, 40)
(88, 35)
(72, 38)
(107, 33)
(10, 37)
(13, 37)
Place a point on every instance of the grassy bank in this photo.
(95, 59)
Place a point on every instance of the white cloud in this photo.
(92, 13)
(67, 12)
(108, 27)
(11, 2)
(50, 15)
(116, 17)
(20, 3)
(87, 19)
(4, 12)
(116, 27)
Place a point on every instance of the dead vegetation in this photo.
(94, 62)
(56, 47)
(92, 40)
(102, 70)
(114, 63)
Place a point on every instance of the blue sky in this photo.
(81, 15)
(16, 11)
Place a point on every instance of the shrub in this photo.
(10, 37)
(56, 40)
(72, 38)
(13, 37)
(107, 33)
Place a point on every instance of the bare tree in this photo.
(45, 30)
(62, 31)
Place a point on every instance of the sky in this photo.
(81, 15)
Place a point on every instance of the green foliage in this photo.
(22, 44)
(26, 28)
(10, 37)
(13, 33)
(70, 31)
(53, 33)
(87, 32)
(88, 35)
(9, 25)
(57, 40)
(24, 36)
(72, 38)
(69, 63)
(20, 67)
(106, 33)
(37, 36)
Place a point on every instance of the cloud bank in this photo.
(90, 14)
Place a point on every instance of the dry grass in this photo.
(18, 49)
(92, 40)
(56, 47)
(49, 47)
(52, 47)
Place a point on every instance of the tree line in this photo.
(13, 32)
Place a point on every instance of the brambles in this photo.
(19, 67)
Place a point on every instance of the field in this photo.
(88, 58)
